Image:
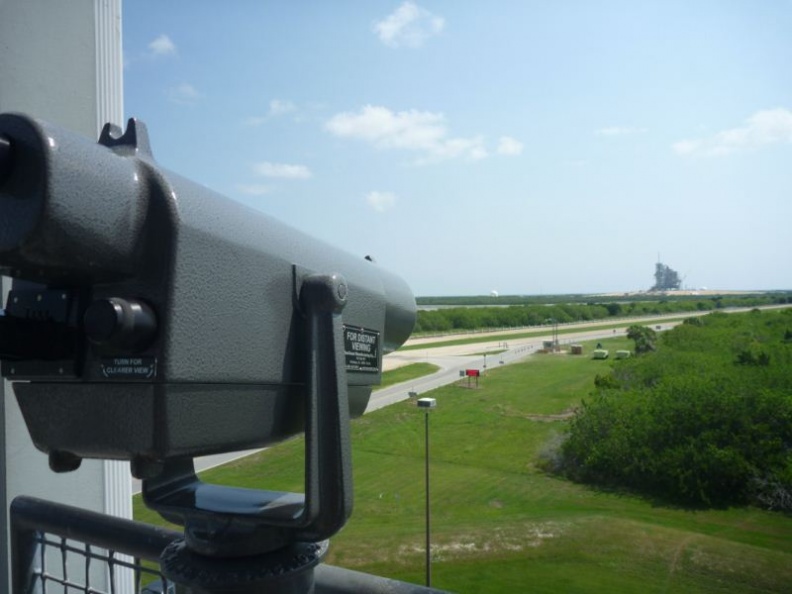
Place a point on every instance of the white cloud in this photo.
(766, 127)
(408, 26)
(279, 108)
(381, 201)
(509, 146)
(162, 46)
(455, 148)
(282, 170)
(415, 130)
(686, 147)
(184, 94)
(253, 189)
(477, 151)
(419, 131)
(618, 131)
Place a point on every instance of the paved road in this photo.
(204, 463)
(453, 359)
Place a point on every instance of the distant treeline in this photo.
(705, 419)
(518, 316)
(469, 300)
(484, 300)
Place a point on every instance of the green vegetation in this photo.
(406, 373)
(500, 523)
(502, 300)
(705, 420)
(644, 338)
(535, 314)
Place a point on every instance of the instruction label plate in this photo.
(361, 349)
(130, 368)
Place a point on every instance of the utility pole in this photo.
(427, 404)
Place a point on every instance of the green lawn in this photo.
(405, 374)
(502, 525)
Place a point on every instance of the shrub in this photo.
(685, 424)
(605, 382)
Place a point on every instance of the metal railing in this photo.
(60, 549)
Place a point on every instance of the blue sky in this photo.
(526, 147)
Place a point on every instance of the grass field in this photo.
(405, 374)
(499, 524)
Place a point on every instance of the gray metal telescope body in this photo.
(224, 370)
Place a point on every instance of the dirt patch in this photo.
(678, 554)
(563, 416)
(513, 539)
(550, 418)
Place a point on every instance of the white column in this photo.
(110, 108)
(62, 62)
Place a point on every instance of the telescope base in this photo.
(288, 571)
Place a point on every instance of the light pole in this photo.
(554, 323)
(427, 404)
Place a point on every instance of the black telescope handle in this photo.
(328, 454)
(225, 521)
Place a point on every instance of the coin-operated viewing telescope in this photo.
(152, 320)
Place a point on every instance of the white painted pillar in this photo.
(110, 108)
(62, 62)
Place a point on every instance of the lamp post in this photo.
(554, 323)
(427, 404)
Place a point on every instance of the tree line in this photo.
(501, 300)
(517, 316)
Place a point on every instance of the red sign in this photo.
(472, 372)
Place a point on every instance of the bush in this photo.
(772, 492)
(685, 424)
(644, 338)
(605, 382)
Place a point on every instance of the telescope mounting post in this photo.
(244, 540)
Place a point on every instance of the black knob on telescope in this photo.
(124, 324)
